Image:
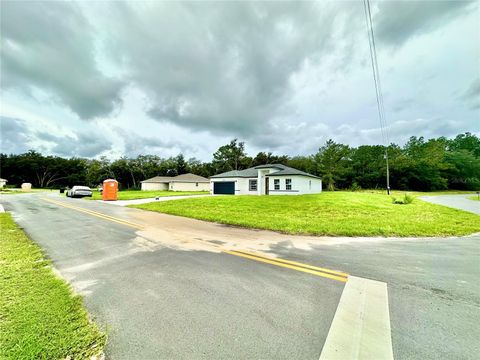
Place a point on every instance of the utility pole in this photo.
(388, 171)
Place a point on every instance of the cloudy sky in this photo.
(126, 78)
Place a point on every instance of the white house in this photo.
(274, 179)
(184, 182)
(3, 182)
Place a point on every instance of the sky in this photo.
(113, 78)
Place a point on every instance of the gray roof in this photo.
(180, 178)
(253, 172)
(247, 173)
(190, 178)
(158, 179)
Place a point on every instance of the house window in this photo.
(196, 184)
(310, 184)
(288, 184)
(276, 184)
(252, 185)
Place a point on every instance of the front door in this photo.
(266, 185)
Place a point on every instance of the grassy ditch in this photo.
(40, 317)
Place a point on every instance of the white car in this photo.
(79, 191)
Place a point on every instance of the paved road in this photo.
(164, 292)
(149, 200)
(461, 202)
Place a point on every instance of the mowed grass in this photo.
(329, 213)
(474, 198)
(40, 318)
(139, 194)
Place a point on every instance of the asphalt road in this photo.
(461, 202)
(163, 292)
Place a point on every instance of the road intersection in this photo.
(173, 287)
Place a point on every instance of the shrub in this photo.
(407, 199)
(355, 187)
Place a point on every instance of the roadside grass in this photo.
(418, 193)
(14, 191)
(139, 194)
(40, 317)
(474, 198)
(328, 213)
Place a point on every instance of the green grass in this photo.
(139, 194)
(40, 317)
(418, 193)
(329, 213)
(474, 198)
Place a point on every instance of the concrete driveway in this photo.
(461, 202)
(149, 200)
(165, 287)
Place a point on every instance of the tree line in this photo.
(425, 165)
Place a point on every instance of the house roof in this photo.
(158, 179)
(253, 172)
(3, 179)
(180, 178)
(190, 178)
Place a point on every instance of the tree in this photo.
(333, 163)
(231, 157)
(268, 158)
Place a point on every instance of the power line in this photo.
(378, 87)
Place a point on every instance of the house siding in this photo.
(189, 186)
(300, 185)
(154, 186)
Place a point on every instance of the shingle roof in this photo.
(253, 172)
(247, 173)
(180, 178)
(291, 171)
(189, 178)
(158, 179)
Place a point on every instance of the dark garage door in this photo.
(227, 187)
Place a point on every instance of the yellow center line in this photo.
(302, 268)
(260, 257)
(97, 214)
(295, 263)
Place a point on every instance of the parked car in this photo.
(79, 191)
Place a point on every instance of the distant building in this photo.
(274, 179)
(184, 182)
(3, 182)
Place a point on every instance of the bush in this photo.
(355, 187)
(407, 199)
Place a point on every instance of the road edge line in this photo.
(361, 326)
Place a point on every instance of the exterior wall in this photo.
(189, 186)
(154, 186)
(2, 183)
(300, 185)
(241, 185)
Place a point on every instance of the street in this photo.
(172, 287)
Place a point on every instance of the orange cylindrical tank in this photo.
(110, 190)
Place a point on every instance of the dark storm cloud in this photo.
(50, 46)
(397, 21)
(224, 66)
(14, 136)
(157, 145)
(83, 144)
(472, 95)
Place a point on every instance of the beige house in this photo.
(3, 182)
(184, 182)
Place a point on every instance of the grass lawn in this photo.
(329, 213)
(139, 194)
(40, 318)
(474, 198)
